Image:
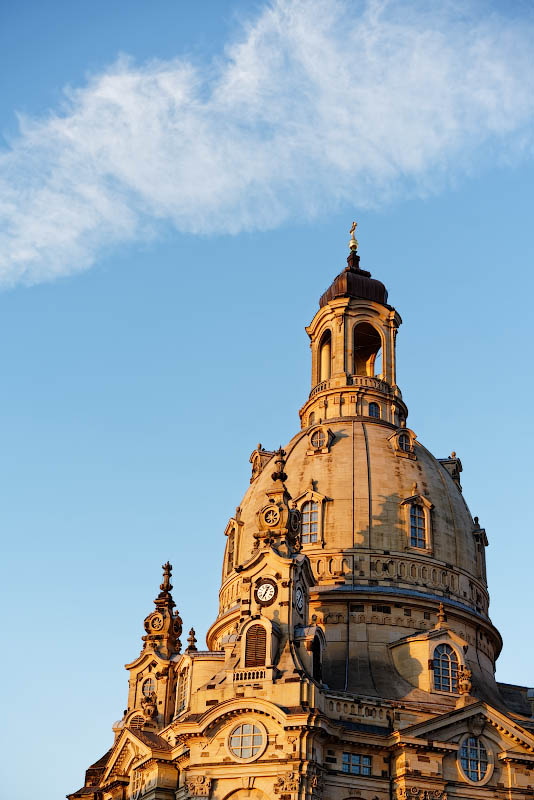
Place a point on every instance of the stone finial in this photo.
(453, 454)
(164, 598)
(442, 618)
(353, 244)
(464, 680)
(414, 488)
(191, 642)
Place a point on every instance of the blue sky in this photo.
(177, 183)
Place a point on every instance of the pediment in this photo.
(474, 718)
(441, 633)
(127, 749)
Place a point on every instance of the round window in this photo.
(149, 686)
(246, 740)
(318, 439)
(474, 759)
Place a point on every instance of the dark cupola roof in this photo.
(353, 281)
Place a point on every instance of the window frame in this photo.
(361, 768)
(426, 507)
(312, 496)
(239, 724)
(376, 405)
(489, 763)
(453, 679)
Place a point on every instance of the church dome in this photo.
(382, 523)
(366, 489)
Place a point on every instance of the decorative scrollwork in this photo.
(198, 786)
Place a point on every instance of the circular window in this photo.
(318, 439)
(149, 686)
(474, 759)
(246, 741)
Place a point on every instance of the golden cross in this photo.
(354, 226)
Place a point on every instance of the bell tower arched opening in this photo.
(367, 350)
(325, 356)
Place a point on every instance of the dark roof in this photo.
(101, 763)
(153, 740)
(355, 282)
(515, 698)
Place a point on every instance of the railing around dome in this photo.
(363, 381)
(318, 388)
(369, 382)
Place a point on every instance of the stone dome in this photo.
(364, 533)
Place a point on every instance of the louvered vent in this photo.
(137, 722)
(256, 646)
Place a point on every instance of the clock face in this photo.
(266, 592)
(299, 598)
(157, 623)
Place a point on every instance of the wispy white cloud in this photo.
(319, 102)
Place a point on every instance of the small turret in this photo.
(164, 626)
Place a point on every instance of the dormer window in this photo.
(404, 442)
(417, 513)
(310, 522)
(374, 410)
(445, 665)
(318, 439)
(417, 526)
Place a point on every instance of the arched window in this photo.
(310, 521)
(374, 410)
(317, 667)
(148, 687)
(325, 357)
(404, 442)
(311, 418)
(417, 526)
(256, 646)
(183, 687)
(230, 552)
(473, 758)
(367, 350)
(445, 669)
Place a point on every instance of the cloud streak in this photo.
(318, 103)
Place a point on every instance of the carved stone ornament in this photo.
(149, 705)
(287, 783)
(464, 680)
(198, 786)
(417, 793)
(476, 724)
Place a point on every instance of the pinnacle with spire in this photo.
(164, 625)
